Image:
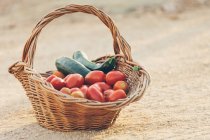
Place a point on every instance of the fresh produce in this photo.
(94, 93)
(95, 76)
(81, 57)
(117, 94)
(99, 86)
(84, 89)
(65, 90)
(74, 80)
(106, 66)
(121, 85)
(78, 94)
(107, 94)
(66, 77)
(81, 78)
(59, 74)
(102, 86)
(73, 90)
(49, 79)
(58, 83)
(97, 89)
(69, 66)
(113, 76)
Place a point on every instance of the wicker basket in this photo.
(57, 111)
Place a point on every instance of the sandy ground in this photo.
(174, 48)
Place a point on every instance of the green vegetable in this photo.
(82, 58)
(136, 68)
(68, 66)
(106, 66)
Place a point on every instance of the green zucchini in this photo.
(82, 58)
(106, 66)
(68, 66)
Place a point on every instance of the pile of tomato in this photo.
(96, 85)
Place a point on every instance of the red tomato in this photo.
(77, 94)
(97, 86)
(107, 93)
(58, 83)
(74, 89)
(117, 94)
(94, 94)
(95, 76)
(59, 74)
(65, 90)
(121, 85)
(74, 80)
(113, 76)
(102, 86)
(84, 89)
(49, 79)
(66, 77)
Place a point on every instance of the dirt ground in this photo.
(173, 45)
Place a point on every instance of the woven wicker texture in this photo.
(57, 111)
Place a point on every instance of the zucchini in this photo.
(82, 58)
(106, 66)
(68, 66)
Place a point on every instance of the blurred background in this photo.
(143, 23)
(170, 38)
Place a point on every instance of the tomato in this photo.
(113, 76)
(117, 94)
(95, 76)
(94, 93)
(65, 90)
(84, 89)
(102, 86)
(97, 86)
(66, 77)
(74, 89)
(49, 79)
(58, 74)
(77, 94)
(58, 83)
(74, 80)
(121, 85)
(107, 93)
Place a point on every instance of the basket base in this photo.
(75, 129)
(101, 119)
(67, 129)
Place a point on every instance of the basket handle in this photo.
(119, 43)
